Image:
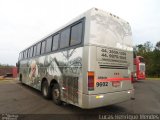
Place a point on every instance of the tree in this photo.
(158, 45)
(148, 46)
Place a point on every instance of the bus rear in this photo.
(108, 61)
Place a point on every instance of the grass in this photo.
(152, 78)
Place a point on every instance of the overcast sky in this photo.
(23, 22)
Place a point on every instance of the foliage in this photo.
(151, 56)
(5, 66)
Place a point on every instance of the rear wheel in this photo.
(56, 96)
(20, 78)
(46, 91)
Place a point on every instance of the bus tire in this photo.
(56, 95)
(46, 91)
(20, 78)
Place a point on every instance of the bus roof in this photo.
(86, 15)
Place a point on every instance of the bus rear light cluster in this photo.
(90, 80)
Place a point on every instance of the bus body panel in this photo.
(109, 54)
(104, 99)
(65, 67)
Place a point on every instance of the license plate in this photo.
(116, 83)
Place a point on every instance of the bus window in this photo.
(20, 56)
(43, 47)
(31, 52)
(38, 49)
(64, 42)
(76, 34)
(34, 50)
(55, 42)
(48, 44)
(28, 53)
(25, 53)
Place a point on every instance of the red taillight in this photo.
(90, 80)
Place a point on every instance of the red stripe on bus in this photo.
(112, 79)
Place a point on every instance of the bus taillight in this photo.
(90, 80)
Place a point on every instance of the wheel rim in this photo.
(45, 91)
(56, 94)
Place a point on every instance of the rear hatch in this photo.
(112, 72)
(110, 54)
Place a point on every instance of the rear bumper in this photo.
(141, 78)
(93, 101)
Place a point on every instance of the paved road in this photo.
(16, 98)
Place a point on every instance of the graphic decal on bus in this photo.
(65, 66)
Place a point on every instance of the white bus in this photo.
(87, 63)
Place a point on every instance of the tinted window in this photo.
(64, 42)
(43, 47)
(25, 54)
(31, 52)
(38, 49)
(48, 44)
(55, 42)
(20, 56)
(76, 34)
(34, 50)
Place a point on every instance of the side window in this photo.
(76, 34)
(34, 50)
(55, 42)
(20, 57)
(43, 47)
(28, 54)
(31, 52)
(38, 49)
(65, 34)
(22, 54)
(48, 44)
(25, 53)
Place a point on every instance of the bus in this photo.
(86, 63)
(139, 68)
